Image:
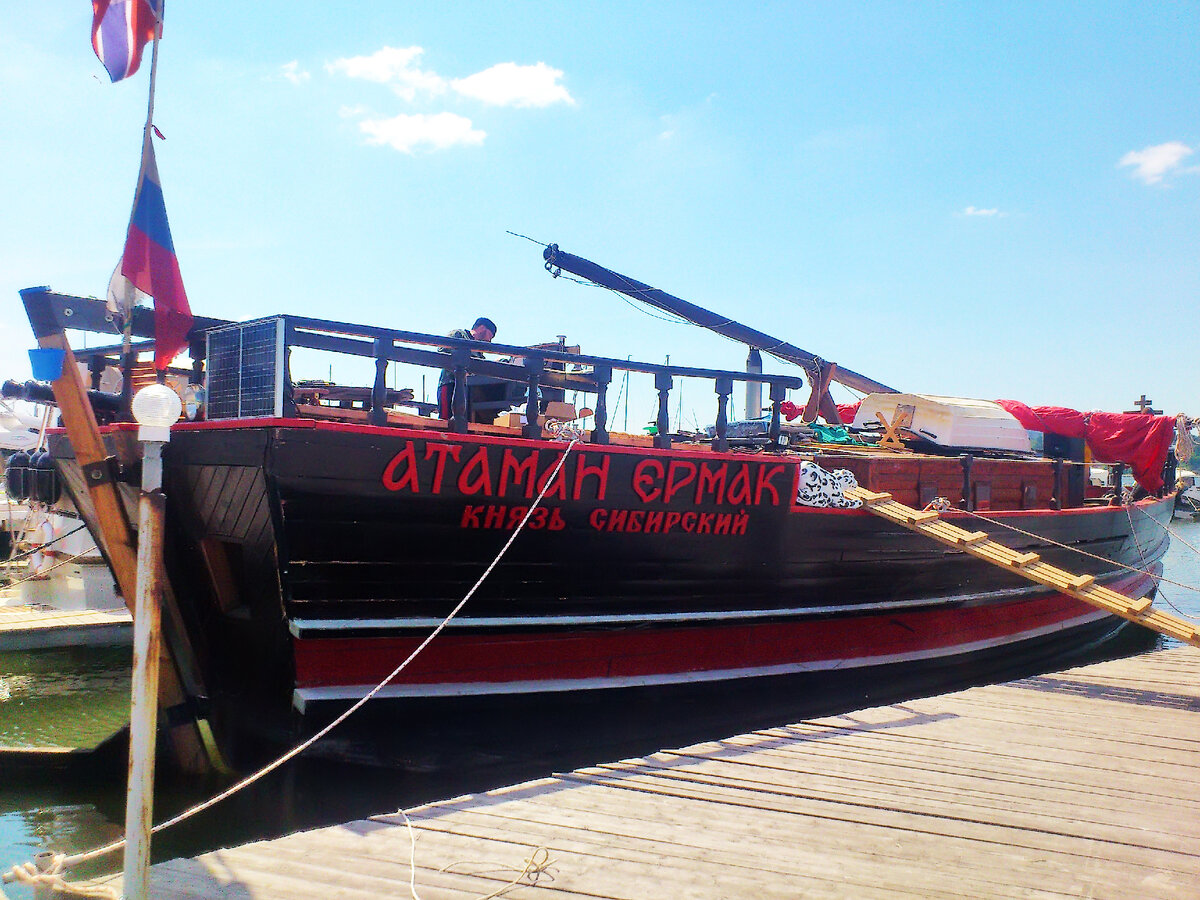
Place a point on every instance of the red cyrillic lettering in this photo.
(711, 481)
(674, 484)
(469, 483)
(494, 517)
(557, 522)
(739, 488)
(765, 475)
(597, 518)
(441, 450)
(470, 516)
(689, 522)
(642, 479)
(559, 487)
(515, 515)
(739, 522)
(408, 479)
(618, 519)
(705, 525)
(654, 521)
(527, 468)
(724, 523)
(635, 520)
(671, 521)
(537, 520)
(583, 470)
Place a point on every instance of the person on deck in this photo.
(483, 330)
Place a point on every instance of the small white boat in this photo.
(57, 590)
(1187, 501)
(60, 592)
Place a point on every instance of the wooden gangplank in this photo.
(1028, 565)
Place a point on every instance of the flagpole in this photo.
(144, 702)
(127, 355)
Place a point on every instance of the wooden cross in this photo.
(1144, 406)
(902, 418)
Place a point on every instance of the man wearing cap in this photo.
(483, 330)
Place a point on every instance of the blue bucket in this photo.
(47, 363)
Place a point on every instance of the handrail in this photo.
(47, 309)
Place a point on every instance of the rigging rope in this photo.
(943, 503)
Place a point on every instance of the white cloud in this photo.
(394, 66)
(507, 84)
(293, 73)
(1152, 164)
(973, 211)
(407, 133)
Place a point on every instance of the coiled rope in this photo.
(559, 429)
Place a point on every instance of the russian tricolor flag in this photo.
(120, 31)
(150, 263)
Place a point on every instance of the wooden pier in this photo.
(1083, 783)
(37, 628)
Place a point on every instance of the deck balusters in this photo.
(378, 413)
(723, 387)
(778, 394)
(603, 375)
(458, 406)
(663, 384)
(532, 427)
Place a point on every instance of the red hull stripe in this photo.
(304, 696)
(502, 663)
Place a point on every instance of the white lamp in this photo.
(156, 408)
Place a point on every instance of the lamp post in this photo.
(155, 408)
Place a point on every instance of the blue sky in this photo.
(990, 199)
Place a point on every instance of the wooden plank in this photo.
(190, 743)
(1029, 566)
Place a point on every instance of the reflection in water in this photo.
(78, 698)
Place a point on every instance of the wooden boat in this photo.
(312, 545)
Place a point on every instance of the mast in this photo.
(558, 260)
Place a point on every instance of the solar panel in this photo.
(245, 370)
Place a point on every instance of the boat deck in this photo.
(40, 628)
(1079, 783)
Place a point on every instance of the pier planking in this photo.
(1078, 783)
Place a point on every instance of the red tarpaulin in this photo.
(1140, 441)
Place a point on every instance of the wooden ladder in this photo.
(1027, 565)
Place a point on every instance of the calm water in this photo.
(78, 698)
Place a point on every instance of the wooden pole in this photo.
(143, 713)
(191, 741)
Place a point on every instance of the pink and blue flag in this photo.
(149, 262)
(120, 31)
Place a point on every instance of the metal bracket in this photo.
(105, 471)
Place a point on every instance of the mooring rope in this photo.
(1175, 536)
(40, 547)
(941, 504)
(562, 430)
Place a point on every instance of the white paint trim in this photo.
(298, 626)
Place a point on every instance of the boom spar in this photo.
(558, 260)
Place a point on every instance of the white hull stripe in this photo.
(301, 697)
(303, 627)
